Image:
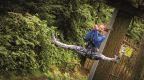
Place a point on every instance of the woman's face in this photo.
(102, 29)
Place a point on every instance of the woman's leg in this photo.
(103, 57)
(79, 49)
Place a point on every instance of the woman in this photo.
(95, 37)
(90, 51)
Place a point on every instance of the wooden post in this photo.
(93, 69)
(119, 22)
(139, 72)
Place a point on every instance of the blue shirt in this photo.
(96, 37)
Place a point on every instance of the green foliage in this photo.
(57, 75)
(21, 39)
(26, 45)
(70, 16)
(136, 29)
(25, 39)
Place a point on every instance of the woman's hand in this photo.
(96, 27)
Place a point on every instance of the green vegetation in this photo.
(26, 28)
(26, 46)
(25, 36)
(136, 30)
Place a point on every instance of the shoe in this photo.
(53, 38)
(117, 59)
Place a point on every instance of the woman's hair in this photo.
(104, 26)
